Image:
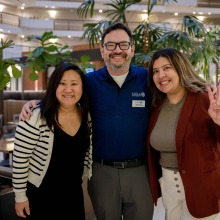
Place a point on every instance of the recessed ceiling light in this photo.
(201, 18)
(52, 13)
(1, 7)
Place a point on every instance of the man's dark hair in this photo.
(117, 26)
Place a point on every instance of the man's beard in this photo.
(118, 67)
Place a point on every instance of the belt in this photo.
(121, 164)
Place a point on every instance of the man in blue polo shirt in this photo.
(120, 109)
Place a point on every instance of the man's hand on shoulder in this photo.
(26, 110)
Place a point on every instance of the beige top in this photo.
(163, 135)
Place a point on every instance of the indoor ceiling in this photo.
(167, 9)
(200, 3)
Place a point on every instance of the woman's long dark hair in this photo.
(49, 102)
(188, 77)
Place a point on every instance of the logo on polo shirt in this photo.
(138, 94)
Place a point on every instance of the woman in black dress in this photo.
(50, 148)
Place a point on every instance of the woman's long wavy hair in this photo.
(189, 79)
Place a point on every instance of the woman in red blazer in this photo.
(183, 142)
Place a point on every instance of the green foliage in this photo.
(84, 63)
(148, 31)
(94, 31)
(47, 54)
(194, 40)
(191, 36)
(117, 13)
(4, 75)
(85, 7)
(6, 63)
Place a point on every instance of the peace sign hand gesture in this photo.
(214, 108)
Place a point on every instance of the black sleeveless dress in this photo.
(60, 196)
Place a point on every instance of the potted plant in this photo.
(47, 54)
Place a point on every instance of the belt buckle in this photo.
(120, 165)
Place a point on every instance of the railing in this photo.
(58, 24)
(209, 3)
(9, 19)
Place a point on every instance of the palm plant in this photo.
(6, 63)
(194, 40)
(191, 36)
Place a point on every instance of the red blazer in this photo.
(198, 152)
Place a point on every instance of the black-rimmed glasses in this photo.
(124, 45)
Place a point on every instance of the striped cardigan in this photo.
(33, 147)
